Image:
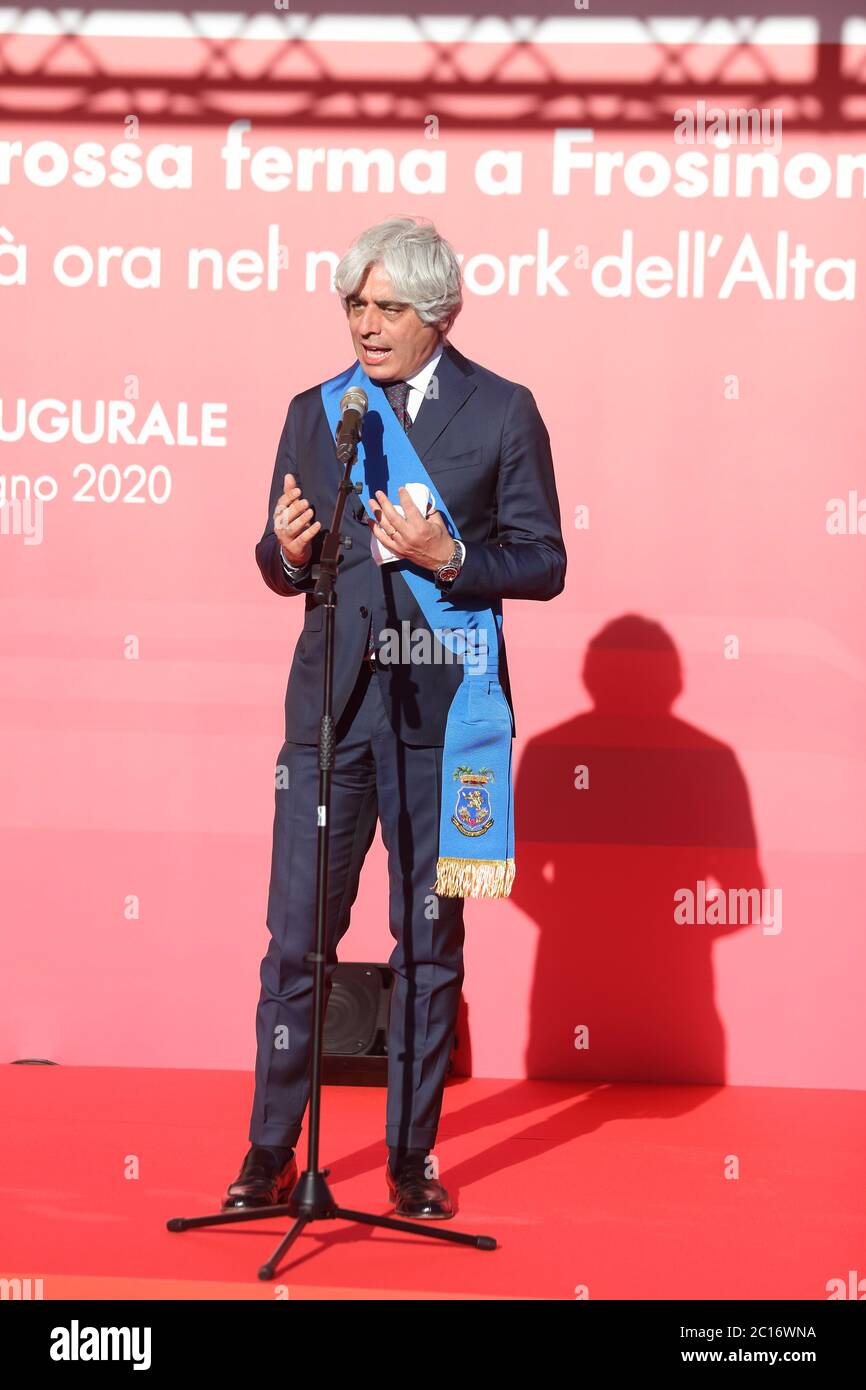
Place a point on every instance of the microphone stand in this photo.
(311, 1198)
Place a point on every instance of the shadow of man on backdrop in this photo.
(617, 810)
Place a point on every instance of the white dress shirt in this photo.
(418, 385)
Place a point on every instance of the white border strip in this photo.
(354, 28)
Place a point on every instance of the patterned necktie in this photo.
(398, 396)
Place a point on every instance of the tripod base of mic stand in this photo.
(311, 1200)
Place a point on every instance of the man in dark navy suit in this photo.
(485, 445)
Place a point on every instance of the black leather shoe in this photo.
(261, 1181)
(416, 1196)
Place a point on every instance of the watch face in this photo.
(448, 572)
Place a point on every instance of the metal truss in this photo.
(219, 71)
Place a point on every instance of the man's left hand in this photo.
(423, 540)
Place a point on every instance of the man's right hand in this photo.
(292, 523)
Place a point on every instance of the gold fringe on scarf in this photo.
(474, 878)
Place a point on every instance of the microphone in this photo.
(353, 408)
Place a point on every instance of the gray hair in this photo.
(420, 264)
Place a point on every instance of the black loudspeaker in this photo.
(355, 1049)
(356, 1025)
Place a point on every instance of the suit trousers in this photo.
(375, 775)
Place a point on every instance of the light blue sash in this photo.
(476, 815)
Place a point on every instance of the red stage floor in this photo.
(620, 1189)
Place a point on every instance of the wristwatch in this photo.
(294, 571)
(447, 573)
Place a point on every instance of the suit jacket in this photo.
(485, 445)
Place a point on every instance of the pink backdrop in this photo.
(703, 436)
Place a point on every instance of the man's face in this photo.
(390, 340)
